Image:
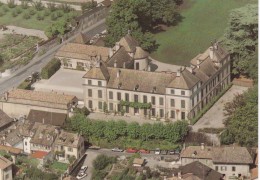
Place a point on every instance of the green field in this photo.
(7, 18)
(203, 21)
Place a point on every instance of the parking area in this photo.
(215, 116)
(63, 81)
(88, 162)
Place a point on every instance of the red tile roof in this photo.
(39, 154)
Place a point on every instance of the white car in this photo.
(117, 150)
(157, 151)
(82, 172)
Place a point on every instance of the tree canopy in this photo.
(242, 119)
(241, 39)
(138, 16)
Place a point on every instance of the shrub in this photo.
(59, 14)
(25, 85)
(51, 7)
(1, 3)
(26, 16)
(54, 17)
(40, 17)
(18, 10)
(38, 5)
(47, 13)
(11, 3)
(24, 4)
(65, 8)
(5, 9)
(32, 12)
(103, 161)
(14, 14)
(2, 13)
(51, 68)
(83, 110)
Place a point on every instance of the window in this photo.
(153, 100)
(192, 102)
(70, 149)
(100, 105)
(216, 168)
(223, 168)
(118, 96)
(25, 143)
(99, 93)
(89, 92)
(137, 66)
(198, 97)
(89, 82)
(172, 102)
(99, 83)
(136, 110)
(127, 109)
(161, 113)
(145, 112)
(233, 168)
(144, 99)
(182, 115)
(110, 94)
(182, 103)
(118, 107)
(173, 114)
(172, 91)
(136, 98)
(90, 104)
(153, 111)
(183, 93)
(161, 101)
(7, 176)
(111, 106)
(126, 97)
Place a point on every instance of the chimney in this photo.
(110, 52)
(202, 146)
(117, 46)
(6, 96)
(43, 121)
(98, 64)
(115, 64)
(211, 51)
(149, 67)
(118, 73)
(178, 73)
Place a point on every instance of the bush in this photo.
(65, 8)
(26, 16)
(51, 7)
(25, 85)
(2, 13)
(24, 4)
(59, 14)
(102, 161)
(40, 17)
(5, 9)
(47, 13)
(11, 3)
(32, 12)
(51, 68)
(14, 14)
(18, 10)
(83, 110)
(38, 5)
(211, 130)
(1, 3)
(54, 17)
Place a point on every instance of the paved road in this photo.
(37, 63)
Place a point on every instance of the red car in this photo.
(143, 151)
(131, 150)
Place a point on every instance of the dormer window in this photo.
(136, 87)
(119, 85)
(154, 89)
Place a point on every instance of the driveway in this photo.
(88, 162)
(214, 117)
(59, 82)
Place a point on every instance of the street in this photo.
(37, 63)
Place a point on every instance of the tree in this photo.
(133, 130)
(242, 123)
(241, 38)
(133, 15)
(57, 28)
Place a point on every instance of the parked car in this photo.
(171, 152)
(131, 150)
(82, 172)
(143, 151)
(117, 149)
(157, 151)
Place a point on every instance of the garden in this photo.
(202, 22)
(16, 50)
(35, 16)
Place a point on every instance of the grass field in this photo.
(203, 21)
(6, 17)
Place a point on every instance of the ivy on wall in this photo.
(136, 104)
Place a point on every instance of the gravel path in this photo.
(23, 31)
(160, 66)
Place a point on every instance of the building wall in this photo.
(36, 147)
(17, 110)
(232, 169)
(6, 174)
(27, 145)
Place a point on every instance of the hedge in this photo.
(51, 68)
(25, 85)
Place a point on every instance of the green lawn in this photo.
(6, 18)
(203, 21)
(59, 166)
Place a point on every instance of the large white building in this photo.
(130, 87)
